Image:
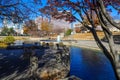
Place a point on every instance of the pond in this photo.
(14, 60)
(90, 65)
(85, 64)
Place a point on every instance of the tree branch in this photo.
(110, 20)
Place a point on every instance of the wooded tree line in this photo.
(31, 28)
(7, 31)
(45, 28)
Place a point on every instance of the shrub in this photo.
(51, 44)
(1, 41)
(9, 39)
(68, 32)
(3, 45)
(43, 43)
(61, 44)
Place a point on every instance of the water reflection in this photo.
(90, 65)
(14, 62)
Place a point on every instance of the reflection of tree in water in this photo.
(30, 70)
(92, 58)
(29, 53)
(26, 53)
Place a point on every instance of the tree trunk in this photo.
(109, 36)
(107, 16)
(106, 52)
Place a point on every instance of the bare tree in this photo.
(30, 27)
(58, 30)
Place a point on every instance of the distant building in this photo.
(99, 28)
(78, 28)
(77, 25)
(114, 29)
(111, 28)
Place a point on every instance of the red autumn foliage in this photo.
(60, 9)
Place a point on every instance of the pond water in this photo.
(90, 65)
(14, 60)
(85, 64)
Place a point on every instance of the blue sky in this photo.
(114, 13)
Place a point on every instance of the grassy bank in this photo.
(86, 36)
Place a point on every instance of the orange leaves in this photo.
(25, 30)
(29, 26)
(46, 26)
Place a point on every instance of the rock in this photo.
(56, 65)
(72, 78)
(33, 65)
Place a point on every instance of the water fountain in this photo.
(58, 38)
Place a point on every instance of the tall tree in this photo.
(66, 9)
(7, 31)
(46, 26)
(30, 27)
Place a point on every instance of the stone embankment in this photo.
(90, 44)
(56, 64)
